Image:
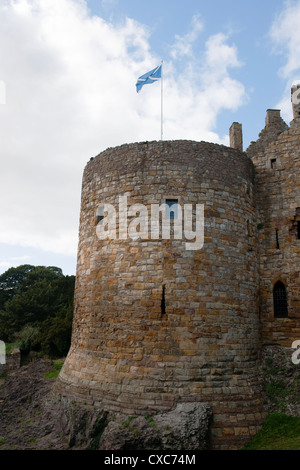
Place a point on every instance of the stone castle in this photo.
(156, 324)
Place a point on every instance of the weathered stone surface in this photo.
(276, 156)
(157, 323)
(187, 427)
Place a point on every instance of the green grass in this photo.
(53, 374)
(126, 424)
(9, 347)
(277, 392)
(280, 432)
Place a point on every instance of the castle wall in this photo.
(277, 163)
(155, 323)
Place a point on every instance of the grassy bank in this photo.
(280, 432)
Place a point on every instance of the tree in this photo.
(34, 298)
(12, 281)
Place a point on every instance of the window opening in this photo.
(277, 240)
(163, 301)
(280, 300)
(298, 229)
(172, 209)
(273, 163)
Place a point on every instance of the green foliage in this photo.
(150, 420)
(99, 428)
(53, 374)
(11, 282)
(55, 333)
(9, 347)
(36, 308)
(27, 337)
(276, 390)
(126, 423)
(280, 432)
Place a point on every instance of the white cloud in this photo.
(70, 93)
(219, 55)
(14, 261)
(205, 89)
(183, 44)
(285, 36)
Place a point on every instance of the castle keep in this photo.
(157, 324)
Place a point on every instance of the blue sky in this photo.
(69, 67)
(247, 26)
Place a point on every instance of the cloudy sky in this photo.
(68, 70)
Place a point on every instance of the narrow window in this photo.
(298, 230)
(280, 300)
(163, 301)
(277, 240)
(172, 210)
(273, 163)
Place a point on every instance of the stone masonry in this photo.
(157, 324)
(276, 156)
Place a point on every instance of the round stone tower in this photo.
(168, 317)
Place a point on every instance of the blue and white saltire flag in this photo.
(147, 78)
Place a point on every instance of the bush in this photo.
(27, 338)
(55, 334)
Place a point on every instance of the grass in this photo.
(280, 432)
(99, 429)
(126, 424)
(10, 347)
(277, 391)
(53, 374)
(150, 420)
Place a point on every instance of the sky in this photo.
(68, 70)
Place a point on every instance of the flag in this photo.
(147, 78)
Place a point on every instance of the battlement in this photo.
(274, 126)
(273, 118)
(236, 136)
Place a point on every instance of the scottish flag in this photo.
(148, 78)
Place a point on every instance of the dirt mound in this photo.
(24, 421)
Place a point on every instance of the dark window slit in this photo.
(163, 301)
(277, 240)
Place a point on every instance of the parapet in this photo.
(236, 136)
(274, 126)
(273, 117)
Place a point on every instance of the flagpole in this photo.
(161, 117)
